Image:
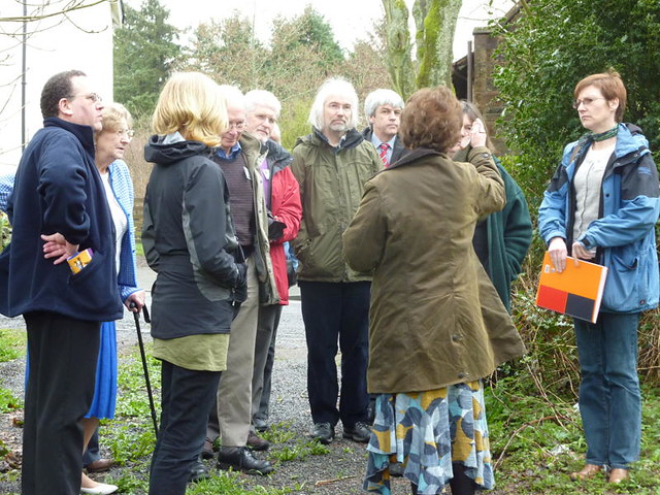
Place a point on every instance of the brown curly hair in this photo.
(432, 118)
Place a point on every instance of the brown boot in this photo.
(617, 475)
(588, 471)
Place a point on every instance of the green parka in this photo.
(435, 317)
(331, 184)
(509, 234)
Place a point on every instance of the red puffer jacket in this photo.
(286, 208)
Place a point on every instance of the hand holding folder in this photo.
(577, 291)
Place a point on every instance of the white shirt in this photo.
(118, 215)
(587, 183)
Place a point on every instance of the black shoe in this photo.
(397, 469)
(361, 432)
(198, 472)
(207, 450)
(323, 432)
(260, 425)
(255, 442)
(241, 459)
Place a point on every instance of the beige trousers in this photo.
(233, 416)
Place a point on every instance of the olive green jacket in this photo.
(435, 318)
(331, 184)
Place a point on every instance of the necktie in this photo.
(383, 153)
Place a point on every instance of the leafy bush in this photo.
(5, 231)
(550, 47)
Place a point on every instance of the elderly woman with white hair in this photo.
(332, 165)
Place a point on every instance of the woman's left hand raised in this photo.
(478, 135)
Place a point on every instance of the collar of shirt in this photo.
(377, 142)
(235, 150)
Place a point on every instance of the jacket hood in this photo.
(629, 140)
(350, 140)
(168, 154)
(278, 158)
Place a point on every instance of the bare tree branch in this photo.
(70, 6)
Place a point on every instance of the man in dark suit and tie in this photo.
(382, 108)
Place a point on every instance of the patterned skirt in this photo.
(427, 432)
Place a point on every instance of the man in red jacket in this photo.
(283, 202)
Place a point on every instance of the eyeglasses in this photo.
(129, 133)
(96, 98)
(237, 126)
(587, 101)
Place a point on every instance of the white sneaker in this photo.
(100, 489)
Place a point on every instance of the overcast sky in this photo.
(350, 19)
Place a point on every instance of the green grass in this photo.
(536, 443)
(12, 344)
(131, 439)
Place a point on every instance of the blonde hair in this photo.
(192, 104)
(113, 113)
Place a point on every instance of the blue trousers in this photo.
(187, 398)
(93, 452)
(336, 313)
(610, 398)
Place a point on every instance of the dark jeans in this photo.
(610, 397)
(336, 312)
(187, 397)
(63, 355)
(92, 453)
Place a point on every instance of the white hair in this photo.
(233, 95)
(335, 86)
(380, 97)
(261, 97)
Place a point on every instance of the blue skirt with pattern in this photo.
(427, 432)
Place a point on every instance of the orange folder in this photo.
(577, 291)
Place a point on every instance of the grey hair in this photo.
(334, 86)
(233, 95)
(380, 97)
(261, 97)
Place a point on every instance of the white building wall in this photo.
(80, 39)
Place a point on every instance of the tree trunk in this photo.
(436, 25)
(399, 62)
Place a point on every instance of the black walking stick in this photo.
(136, 315)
